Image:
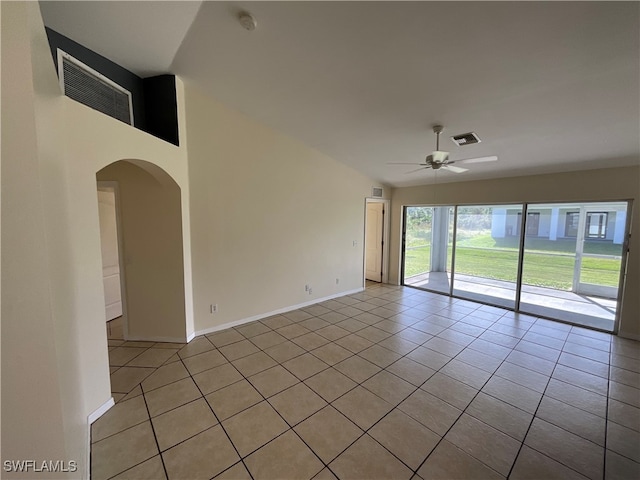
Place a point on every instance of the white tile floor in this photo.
(390, 383)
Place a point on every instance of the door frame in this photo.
(624, 264)
(385, 239)
(121, 262)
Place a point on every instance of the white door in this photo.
(592, 225)
(373, 241)
(110, 259)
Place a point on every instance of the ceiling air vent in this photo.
(466, 139)
(85, 85)
(376, 192)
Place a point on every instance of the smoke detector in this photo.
(247, 21)
(466, 139)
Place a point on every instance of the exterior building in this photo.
(606, 222)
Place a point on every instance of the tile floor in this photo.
(390, 383)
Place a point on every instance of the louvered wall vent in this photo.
(466, 139)
(83, 84)
(376, 192)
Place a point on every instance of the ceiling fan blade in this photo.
(396, 163)
(453, 169)
(416, 170)
(491, 158)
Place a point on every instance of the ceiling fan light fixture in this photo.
(439, 156)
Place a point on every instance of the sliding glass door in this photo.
(555, 260)
(487, 246)
(571, 268)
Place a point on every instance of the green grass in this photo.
(418, 238)
(561, 245)
(498, 265)
(416, 261)
(600, 271)
(546, 263)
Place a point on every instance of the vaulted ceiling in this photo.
(548, 86)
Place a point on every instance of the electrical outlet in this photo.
(337, 281)
(213, 308)
(310, 290)
(355, 243)
(306, 287)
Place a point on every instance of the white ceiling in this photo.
(548, 86)
(142, 36)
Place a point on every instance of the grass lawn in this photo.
(416, 261)
(543, 245)
(546, 263)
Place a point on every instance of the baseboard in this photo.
(630, 336)
(279, 311)
(191, 336)
(101, 410)
(157, 339)
(93, 416)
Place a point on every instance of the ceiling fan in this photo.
(440, 160)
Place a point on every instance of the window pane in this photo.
(572, 269)
(486, 253)
(596, 225)
(571, 224)
(428, 245)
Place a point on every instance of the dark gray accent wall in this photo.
(161, 107)
(106, 67)
(155, 109)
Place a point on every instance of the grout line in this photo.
(266, 399)
(535, 415)
(155, 437)
(328, 403)
(217, 418)
(462, 413)
(606, 420)
(574, 406)
(415, 390)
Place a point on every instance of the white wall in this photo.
(33, 423)
(269, 215)
(592, 185)
(53, 317)
(498, 222)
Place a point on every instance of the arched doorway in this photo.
(150, 250)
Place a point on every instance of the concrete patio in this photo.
(590, 311)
